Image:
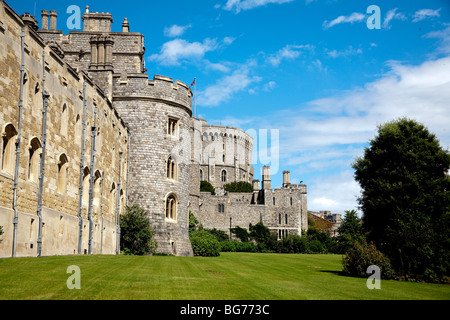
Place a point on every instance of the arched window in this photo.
(64, 120)
(171, 169)
(86, 185)
(122, 203)
(78, 129)
(171, 207)
(8, 149)
(201, 175)
(63, 167)
(97, 188)
(112, 198)
(221, 208)
(34, 159)
(223, 176)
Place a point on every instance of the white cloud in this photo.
(289, 52)
(444, 37)
(226, 87)
(239, 5)
(425, 13)
(322, 139)
(391, 15)
(354, 17)
(270, 86)
(349, 51)
(175, 51)
(175, 30)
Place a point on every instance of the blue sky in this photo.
(311, 70)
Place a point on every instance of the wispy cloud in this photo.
(424, 14)
(349, 51)
(175, 30)
(289, 52)
(354, 17)
(176, 51)
(240, 5)
(391, 15)
(224, 89)
(444, 38)
(326, 135)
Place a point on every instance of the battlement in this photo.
(213, 132)
(161, 88)
(96, 21)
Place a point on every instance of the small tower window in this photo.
(171, 169)
(224, 176)
(171, 207)
(172, 127)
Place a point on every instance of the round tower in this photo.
(158, 113)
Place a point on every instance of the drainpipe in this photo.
(42, 169)
(91, 186)
(118, 203)
(80, 187)
(16, 173)
(128, 169)
(101, 214)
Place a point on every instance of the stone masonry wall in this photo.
(64, 125)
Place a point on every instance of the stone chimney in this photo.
(255, 185)
(53, 16)
(44, 23)
(125, 26)
(266, 182)
(286, 179)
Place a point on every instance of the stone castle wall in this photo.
(63, 148)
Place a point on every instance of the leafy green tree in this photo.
(261, 234)
(241, 233)
(136, 232)
(206, 186)
(405, 199)
(350, 230)
(240, 186)
(193, 222)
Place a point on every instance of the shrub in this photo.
(240, 186)
(363, 255)
(219, 234)
(206, 186)
(241, 233)
(228, 246)
(246, 247)
(204, 244)
(136, 232)
(193, 222)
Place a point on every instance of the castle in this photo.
(86, 132)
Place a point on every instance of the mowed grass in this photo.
(232, 276)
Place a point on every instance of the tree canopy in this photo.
(405, 198)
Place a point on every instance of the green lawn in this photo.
(232, 276)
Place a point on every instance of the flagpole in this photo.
(195, 96)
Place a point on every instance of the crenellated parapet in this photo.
(161, 88)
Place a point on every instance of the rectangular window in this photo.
(172, 127)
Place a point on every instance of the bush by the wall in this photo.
(204, 244)
(206, 186)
